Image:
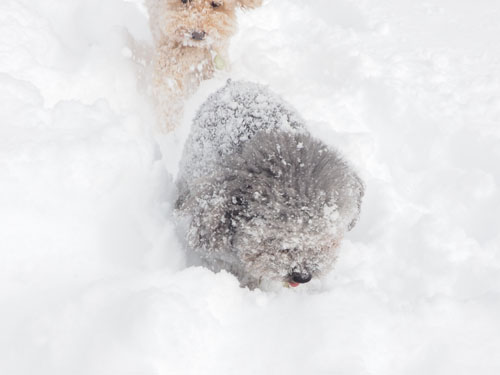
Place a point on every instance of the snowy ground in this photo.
(92, 272)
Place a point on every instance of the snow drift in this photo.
(92, 271)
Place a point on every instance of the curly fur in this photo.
(265, 198)
(181, 62)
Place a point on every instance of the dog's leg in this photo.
(178, 72)
(168, 88)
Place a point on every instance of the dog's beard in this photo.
(184, 37)
(283, 250)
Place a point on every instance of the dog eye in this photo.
(215, 4)
(185, 1)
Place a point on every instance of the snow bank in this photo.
(92, 271)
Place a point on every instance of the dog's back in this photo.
(230, 117)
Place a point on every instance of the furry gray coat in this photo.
(264, 199)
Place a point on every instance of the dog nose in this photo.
(198, 35)
(301, 278)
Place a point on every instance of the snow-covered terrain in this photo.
(93, 277)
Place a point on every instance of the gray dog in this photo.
(265, 200)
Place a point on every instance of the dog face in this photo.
(200, 23)
(289, 249)
(288, 214)
(281, 207)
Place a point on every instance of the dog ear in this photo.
(359, 189)
(249, 4)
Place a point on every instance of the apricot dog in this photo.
(191, 41)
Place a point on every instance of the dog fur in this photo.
(264, 199)
(191, 40)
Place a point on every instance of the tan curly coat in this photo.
(191, 41)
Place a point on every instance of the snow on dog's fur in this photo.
(265, 200)
(191, 41)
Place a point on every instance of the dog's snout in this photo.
(198, 35)
(301, 278)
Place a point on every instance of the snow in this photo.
(92, 268)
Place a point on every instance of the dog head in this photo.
(198, 23)
(281, 207)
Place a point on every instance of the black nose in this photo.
(301, 278)
(198, 35)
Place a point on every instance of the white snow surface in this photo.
(93, 275)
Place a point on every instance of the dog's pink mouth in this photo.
(293, 285)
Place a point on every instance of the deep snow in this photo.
(92, 271)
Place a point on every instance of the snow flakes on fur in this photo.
(265, 198)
